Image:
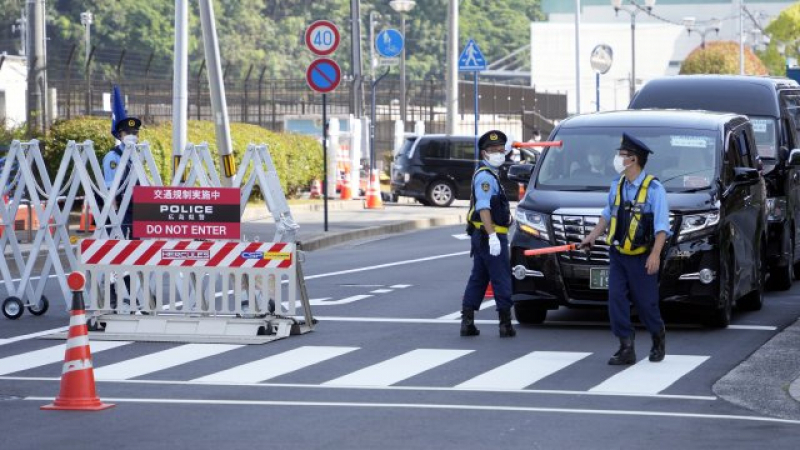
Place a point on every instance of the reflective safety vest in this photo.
(639, 234)
(500, 210)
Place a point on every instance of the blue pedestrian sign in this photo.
(471, 59)
(389, 43)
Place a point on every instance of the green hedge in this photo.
(298, 159)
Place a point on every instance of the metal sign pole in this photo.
(597, 90)
(477, 117)
(325, 192)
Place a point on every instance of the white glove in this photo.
(494, 244)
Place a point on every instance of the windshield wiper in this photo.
(684, 174)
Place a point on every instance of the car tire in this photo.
(441, 193)
(529, 314)
(720, 317)
(754, 300)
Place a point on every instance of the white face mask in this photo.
(495, 159)
(619, 164)
(130, 139)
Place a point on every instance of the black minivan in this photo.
(717, 199)
(436, 169)
(773, 106)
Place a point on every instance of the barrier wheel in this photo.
(13, 308)
(39, 308)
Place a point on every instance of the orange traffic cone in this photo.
(345, 193)
(374, 200)
(316, 189)
(489, 291)
(521, 192)
(87, 220)
(77, 376)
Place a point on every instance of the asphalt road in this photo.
(386, 368)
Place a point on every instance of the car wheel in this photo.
(721, 316)
(754, 300)
(440, 193)
(529, 314)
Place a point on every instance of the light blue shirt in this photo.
(656, 201)
(484, 187)
(110, 166)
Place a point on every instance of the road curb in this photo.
(254, 212)
(767, 381)
(390, 228)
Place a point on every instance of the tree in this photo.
(783, 31)
(721, 57)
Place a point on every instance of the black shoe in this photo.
(506, 329)
(468, 323)
(626, 353)
(658, 352)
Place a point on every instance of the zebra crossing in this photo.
(519, 374)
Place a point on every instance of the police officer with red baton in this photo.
(638, 216)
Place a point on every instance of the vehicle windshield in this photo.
(683, 159)
(764, 129)
(405, 149)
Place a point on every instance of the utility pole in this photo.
(180, 83)
(37, 63)
(741, 37)
(452, 67)
(355, 58)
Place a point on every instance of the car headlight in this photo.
(694, 224)
(532, 223)
(776, 209)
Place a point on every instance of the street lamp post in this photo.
(633, 11)
(403, 7)
(86, 20)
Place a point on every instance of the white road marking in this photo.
(400, 286)
(523, 371)
(455, 407)
(752, 327)
(32, 335)
(381, 291)
(154, 362)
(462, 236)
(646, 377)
(399, 368)
(457, 315)
(384, 266)
(389, 388)
(343, 301)
(276, 365)
(49, 355)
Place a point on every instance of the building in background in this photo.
(662, 42)
(13, 90)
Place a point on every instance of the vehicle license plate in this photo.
(598, 278)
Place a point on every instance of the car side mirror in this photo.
(794, 157)
(745, 175)
(521, 173)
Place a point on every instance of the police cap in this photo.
(491, 138)
(634, 145)
(128, 125)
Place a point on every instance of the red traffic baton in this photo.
(555, 249)
(538, 144)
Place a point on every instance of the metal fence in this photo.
(146, 82)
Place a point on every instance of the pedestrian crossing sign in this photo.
(471, 59)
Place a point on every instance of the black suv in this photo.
(773, 105)
(436, 169)
(717, 200)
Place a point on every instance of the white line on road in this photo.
(399, 368)
(752, 327)
(651, 378)
(457, 315)
(162, 360)
(496, 408)
(32, 335)
(49, 355)
(388, 388)
(276, 365)
(523, 371)
(383, 266)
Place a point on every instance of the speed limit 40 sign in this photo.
(322, 37)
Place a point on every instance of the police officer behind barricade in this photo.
(638, 215)
(487, 222)
(127, 131)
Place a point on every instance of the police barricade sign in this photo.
(186, 212)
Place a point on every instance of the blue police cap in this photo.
(491, 138)
(634, 145)
(128, 125)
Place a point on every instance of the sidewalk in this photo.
(348, 220)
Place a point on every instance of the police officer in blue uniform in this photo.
(638, 219)
(487, 222)
(127, 131)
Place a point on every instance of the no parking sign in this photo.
(323, 75)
